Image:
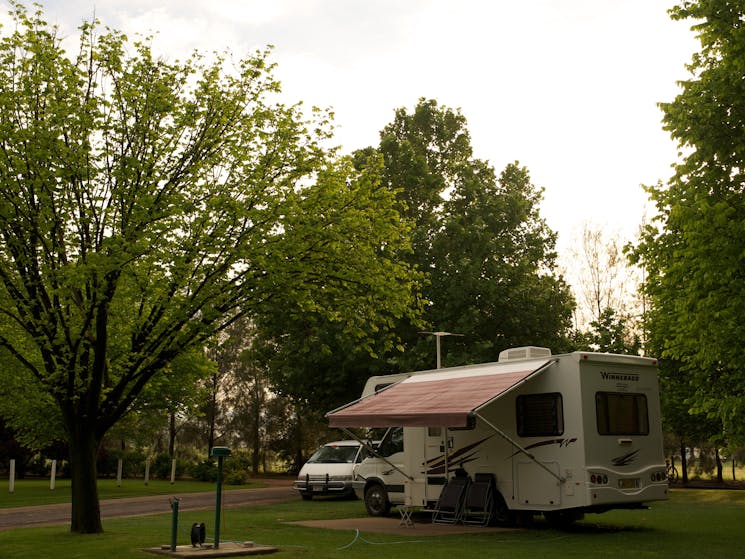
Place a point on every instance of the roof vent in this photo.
(526, 352)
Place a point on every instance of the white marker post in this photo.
(53, 478)
(12, 479)
(119, 473)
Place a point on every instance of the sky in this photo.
(569, 88)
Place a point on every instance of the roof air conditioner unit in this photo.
(526, 352)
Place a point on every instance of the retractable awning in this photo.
(444, 398)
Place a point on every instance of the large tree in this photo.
(694, 251)
(479, 238)
(319, 360)
(146, 205)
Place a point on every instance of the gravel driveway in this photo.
(46, 515)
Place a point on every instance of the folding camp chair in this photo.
(479, 502)
(450, 504)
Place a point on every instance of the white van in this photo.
(558, 435)
(329, 470)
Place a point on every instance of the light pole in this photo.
(437, 336)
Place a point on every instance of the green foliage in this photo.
(609, 333)
(133, 463)
(204, 471)
(694, 252)
(163, 463)
(488, 255)
(320, 359)
(146, 205)
(494, 274)
(237, 468)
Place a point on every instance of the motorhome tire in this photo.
(502, 516)
(376, 500)
(307, 496)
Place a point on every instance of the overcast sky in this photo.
(567, 87)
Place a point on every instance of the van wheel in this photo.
(307, 496)
(376, 500)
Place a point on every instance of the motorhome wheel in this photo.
(503, 516)
(376, 500)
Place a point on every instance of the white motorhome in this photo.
(560, 435)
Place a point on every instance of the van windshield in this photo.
(333, 454)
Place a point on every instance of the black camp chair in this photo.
(479, 502)
(449, 506)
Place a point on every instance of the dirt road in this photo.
(139, 506)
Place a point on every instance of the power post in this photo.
(220, 452)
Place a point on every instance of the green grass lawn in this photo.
(692, 524)
(37, 492)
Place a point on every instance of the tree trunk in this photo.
(212, 415)
(86, 513)
(256, 450)
(683, 462)
(720, 466)
(172, 435)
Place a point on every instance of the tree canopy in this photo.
(487, 254)
(694, 251)
(147, 204)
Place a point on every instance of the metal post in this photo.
(220, 452)
(437, 336)
(174, 522)
(218, 502)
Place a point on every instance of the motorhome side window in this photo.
(392, 442)
(540, 415)
(620, 413)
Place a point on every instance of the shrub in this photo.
(204, 471)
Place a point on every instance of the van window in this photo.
(540, 415)
(621, 413)
(335, 454)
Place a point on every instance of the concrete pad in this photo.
(226, 549)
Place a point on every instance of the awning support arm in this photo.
(520, 448)
(375, 453)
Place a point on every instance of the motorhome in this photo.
(560, 435)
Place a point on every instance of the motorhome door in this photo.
(436, 450)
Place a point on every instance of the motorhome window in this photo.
(540, 415)
(434, 431)
(392, 443)
(621, 413)
(379, 387)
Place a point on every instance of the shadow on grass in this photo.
(585, 527)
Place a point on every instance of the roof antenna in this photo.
(437, 336)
